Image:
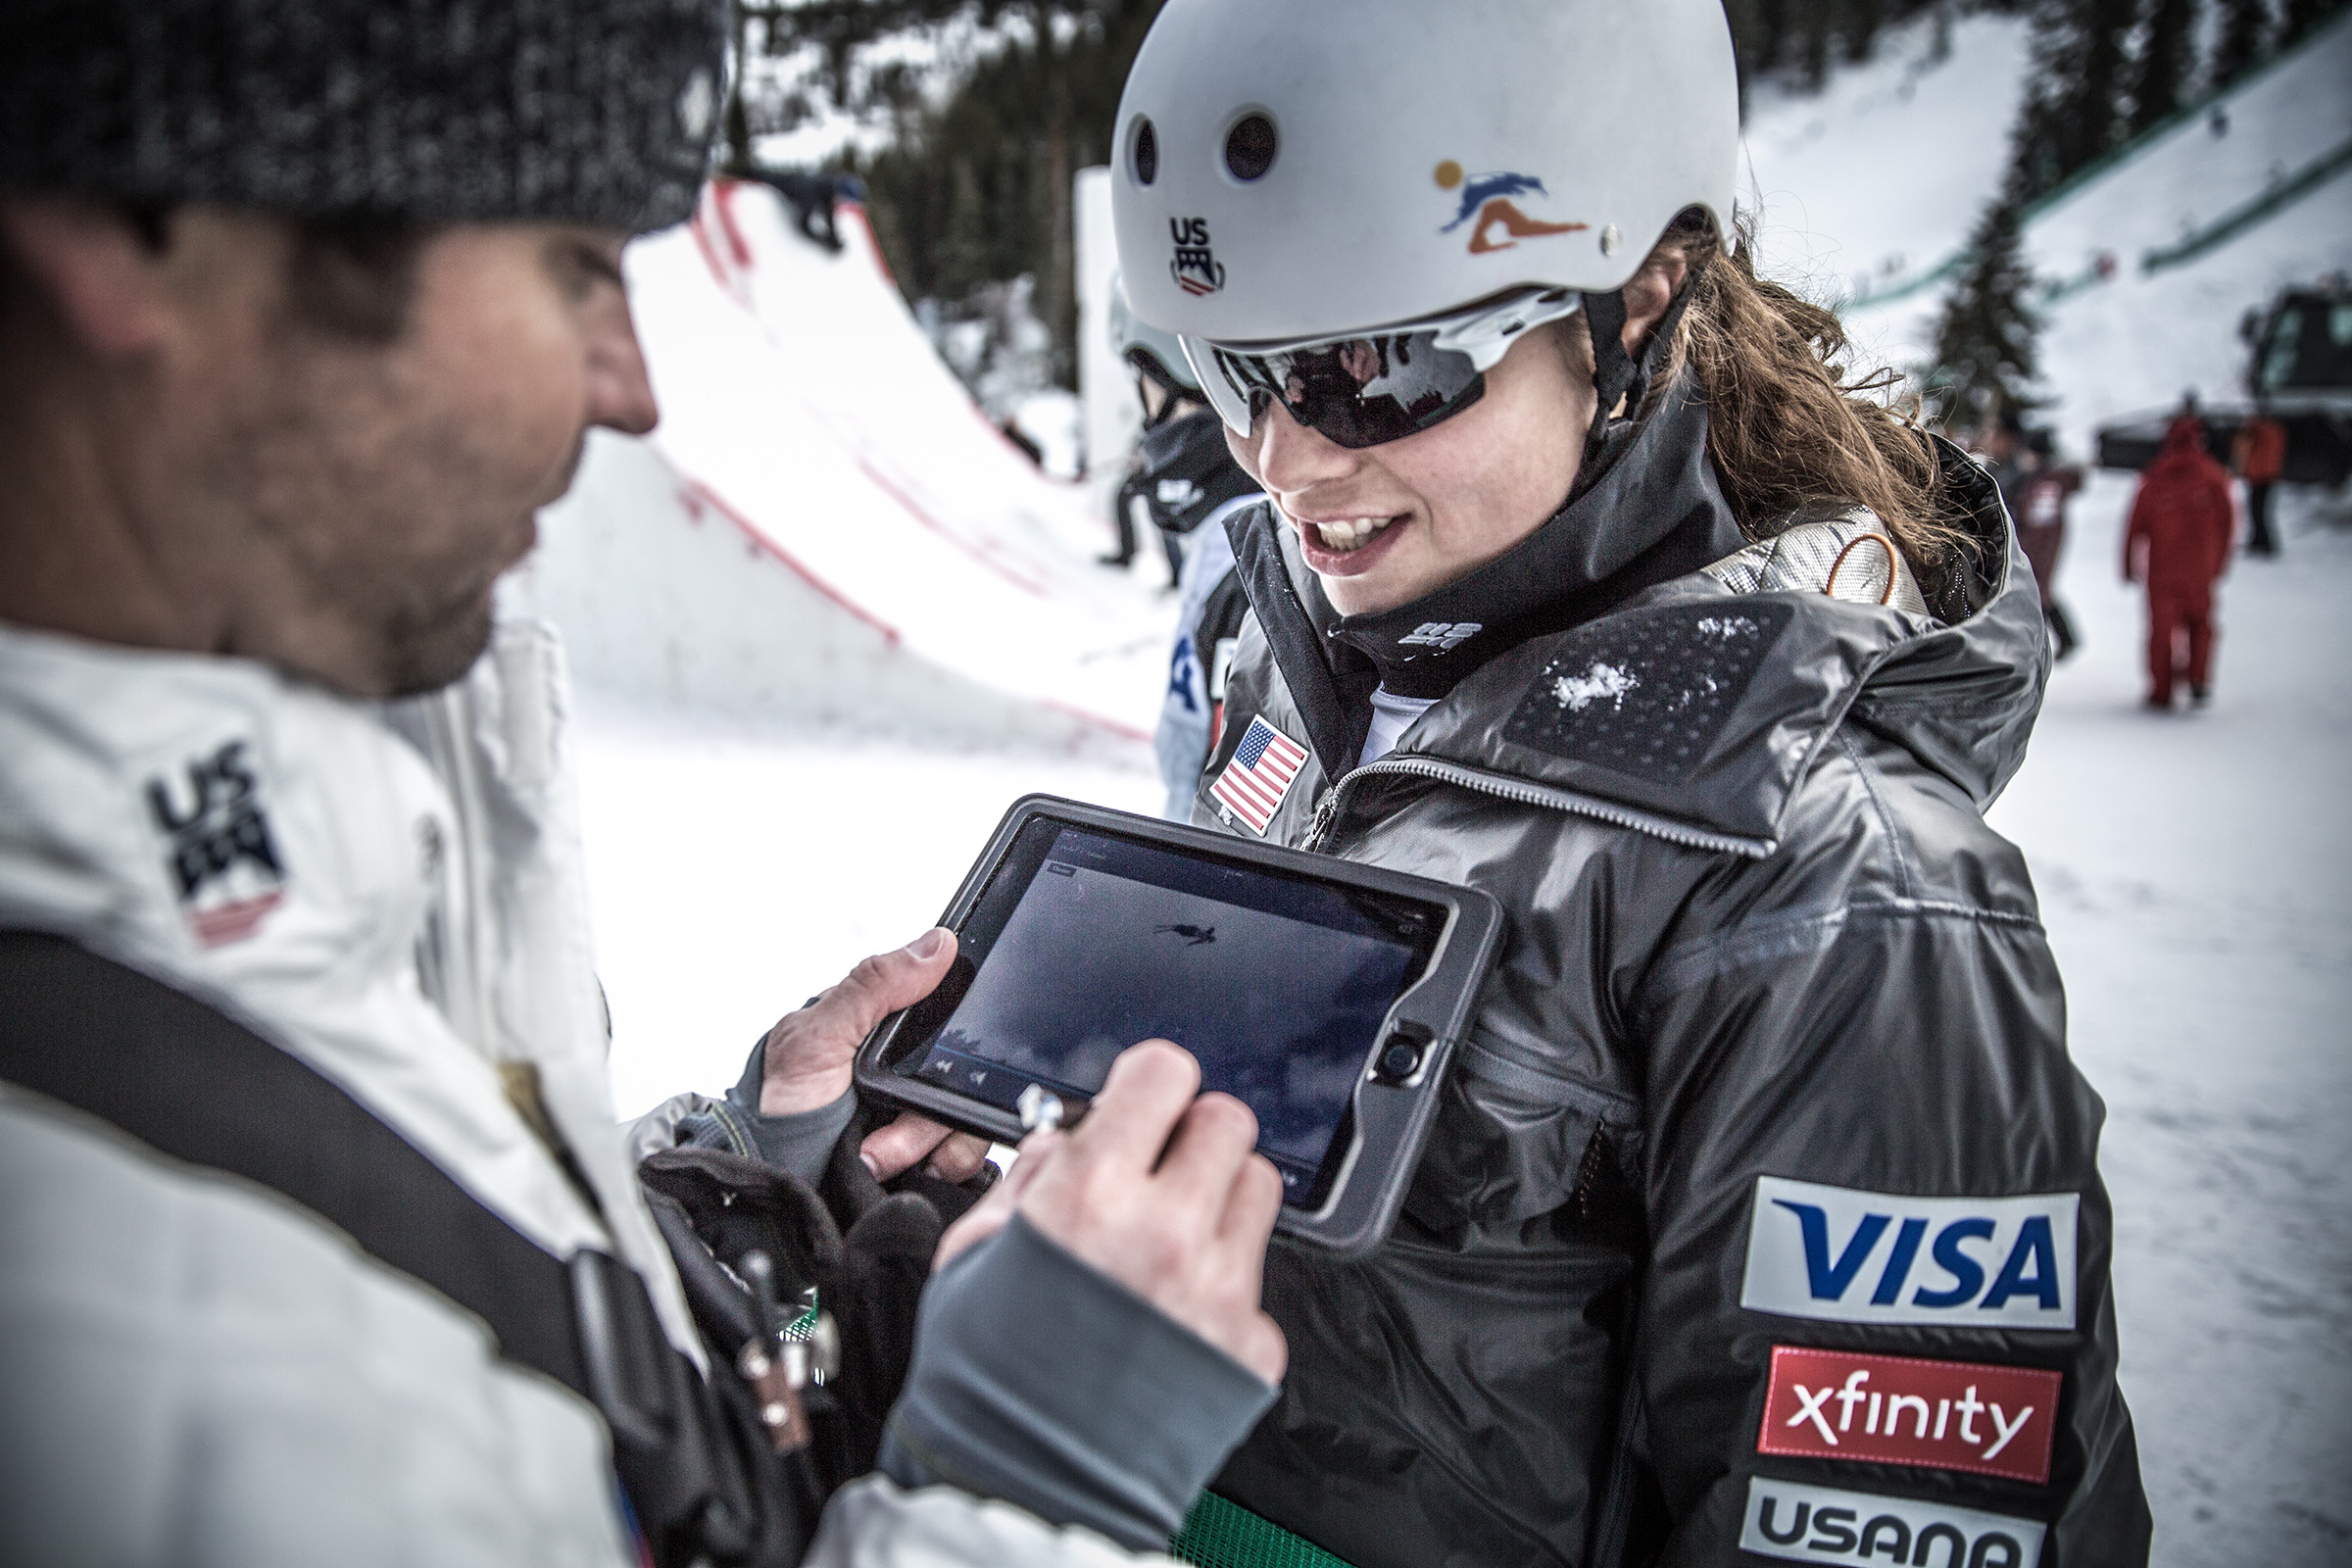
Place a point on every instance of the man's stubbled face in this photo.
(360, 497)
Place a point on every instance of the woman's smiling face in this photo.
(1384, 525)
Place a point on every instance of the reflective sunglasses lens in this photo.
(1361, 392)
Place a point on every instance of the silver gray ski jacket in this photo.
(1762, 1218)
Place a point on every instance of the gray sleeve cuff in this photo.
(1043, 1382)
(801, 1142)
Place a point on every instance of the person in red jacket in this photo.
(2179, 545)
(2259, 454)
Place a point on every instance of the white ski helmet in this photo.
(1291, 169)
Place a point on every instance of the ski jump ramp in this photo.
(824, 526)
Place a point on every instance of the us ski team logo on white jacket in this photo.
(223, 861)
(1848, 1257)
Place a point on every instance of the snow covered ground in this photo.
(736, 871)
(2195, 875)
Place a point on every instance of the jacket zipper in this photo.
(1327, 813)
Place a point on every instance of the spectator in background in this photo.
(2039, 509)
(2258, 455)
(2003, 454)
(2177, 544)
(1186, 484)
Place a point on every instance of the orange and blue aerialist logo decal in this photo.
(1486, 205)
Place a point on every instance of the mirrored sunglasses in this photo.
(1367, 390)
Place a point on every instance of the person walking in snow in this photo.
(321, 1244)
(2178, 545)
(2038, 509)
(1587, 579)
(2259, 457)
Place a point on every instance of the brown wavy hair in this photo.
(1789, 421)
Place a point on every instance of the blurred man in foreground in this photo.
(320, 1245)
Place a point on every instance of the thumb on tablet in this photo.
(808, 1052)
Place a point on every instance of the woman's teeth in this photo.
(1349, 534)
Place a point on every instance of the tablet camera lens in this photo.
(1398, 1059)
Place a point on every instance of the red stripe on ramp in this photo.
(1125, 732)
(914, 510)
(697, 494)
(726, 189)
(873, 248)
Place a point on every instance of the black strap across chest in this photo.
(194, 1085)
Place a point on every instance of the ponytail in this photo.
(1785, 426)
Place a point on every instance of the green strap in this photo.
(1218, 1534)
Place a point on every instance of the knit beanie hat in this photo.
(594, 111)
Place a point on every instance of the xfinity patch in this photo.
(1900, 1410)
(219, 856)
(1847, 1256)
(1819, 1524)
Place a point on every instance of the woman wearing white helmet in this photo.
(1589, 580)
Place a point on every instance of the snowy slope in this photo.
(2195, 875)
(1878, 178)
(2195, 872)
(823, 525)
(1864, 173)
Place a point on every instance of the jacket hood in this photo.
(1697, 706)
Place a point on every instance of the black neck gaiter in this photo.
(1652, 512)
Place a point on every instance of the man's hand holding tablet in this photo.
(1160, 1187)
(808, 1052)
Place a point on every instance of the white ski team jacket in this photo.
(193, 1370)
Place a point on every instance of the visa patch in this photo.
(1841, 1256)
(1900, 1409)
(1821, 1524)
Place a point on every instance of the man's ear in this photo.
(1649, 292)
(103, 278)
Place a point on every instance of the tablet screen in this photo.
(1086, 942)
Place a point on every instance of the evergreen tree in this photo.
(975, 189)
(2168, 60)
(1985, 349)
(2074, 109)
(2245, 33)
(1812, 26)
(2304, 14)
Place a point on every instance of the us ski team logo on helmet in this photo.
(1195, 266)
(1486, 205)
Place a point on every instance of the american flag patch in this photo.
(1253, 783)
